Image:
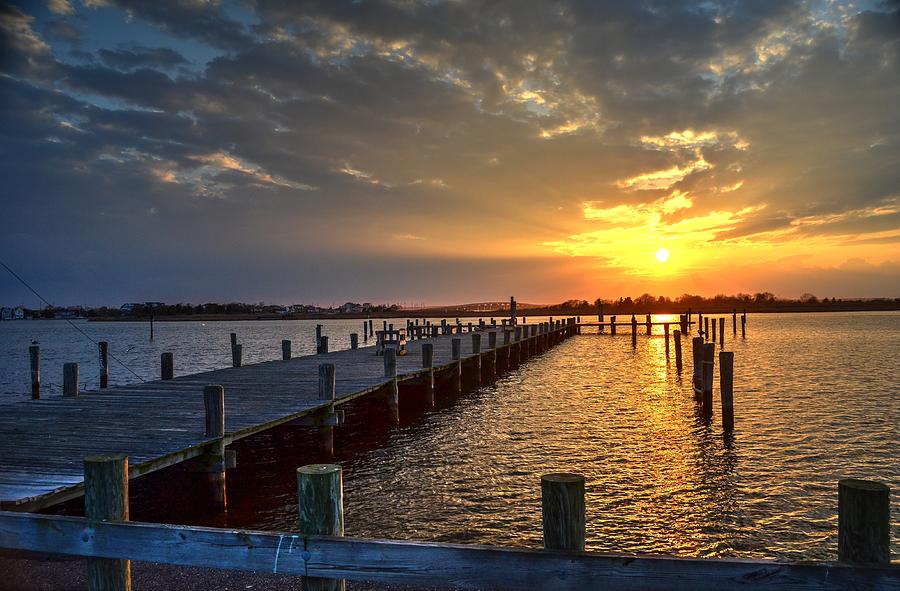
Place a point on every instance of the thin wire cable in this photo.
(72, 324)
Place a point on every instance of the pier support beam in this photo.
(106, 499)
(320, 499)
(214, 459)
(562, 511)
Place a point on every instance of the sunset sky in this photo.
(428, 151)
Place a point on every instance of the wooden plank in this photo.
(423, 563)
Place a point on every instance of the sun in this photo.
(662, 255)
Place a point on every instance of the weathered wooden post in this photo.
(677, 339)
(323, 345)
(714, 320)
(318, 339)
(492, 354)
(706, 328)
(233, 339)
(236, 352)
(512, 310)
(506, 333)
(734, 321)
(562, 511)
(34, 360)
(864, 522)
(70, 380)
(666, 335)
(214, 405)
(104, 363)
(390, 371)
(354, 340)
(371, 332)
(744, 325)
(365, 331)
(726, 389)
(684, 323)
(612, 325)
(476, 350)
(697, 360)
(633, 332)
(600, 317)
(649, 323)
(722, 332)
(320, 498)
(709, 354)
(106, 499)
(285, 350)
(428, 364)
(326, 392)
(166, 366)
(700, 324)
(456, 355)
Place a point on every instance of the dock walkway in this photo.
(161, 423)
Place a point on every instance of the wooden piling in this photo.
(233, 339)
(734, 321)
(562, 511)
(726, 389)
(166, 366)
(214, 405)
(323, 345)
(106, 499)
(390, 371)
(365, 331)
(456, 355)
(709, 353)
(326, 392)
(104, 363)
(633, 332)
(354, 340)
(744, 325)
(428, 364)
(864, 522)
(320, 500)
(649, 323)
(476, 350)
(666, 334)
(697, 361)
(612, 325)
(285, 350)
(721, 332)
(706, 328)
(714, 320)
(677, 339)
(70, 380)
(34, 360)
(236, 353)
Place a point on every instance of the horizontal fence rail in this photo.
(421, 563)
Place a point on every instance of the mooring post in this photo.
(677, 339)
(104, 363)
(106, 499)
(706, 328)
(744, 325)
(371, 332)
(722, 333)
(864, 522)
(456, 355)
(323, 345)
(684, 323)
(236, 352)
(562, 511)
(709, 355)
(214, 406)
(726, 389)
(70, 380)
(600, 317)
(666, 335)
(612, 325)
(713, 321)
(393, 394)
(428, 364)
(697, 360)
(320, 500)
(166, 366)
(354, 340)
(318, 339)
(233, 339)
(285, 349)
(326, 392)
(34, 359)
(633, 332)
(734, 321)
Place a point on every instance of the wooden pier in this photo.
(161, 423)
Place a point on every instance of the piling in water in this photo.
(562, 511)
(166, 366)
(677, 337)
(864, 522)
(320, 501)
(104, 363)
(236, 354)
(709, 353)
(34, 360)
(726, 389)
(70, 380)
(285, 350)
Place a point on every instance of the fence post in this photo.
(106, 499)
(562, 511)
(320, 500)
(864, 522)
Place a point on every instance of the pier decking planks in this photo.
(161, 423)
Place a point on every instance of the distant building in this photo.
(127, 309)
(19, 313)
(6, 313)
(351, 308)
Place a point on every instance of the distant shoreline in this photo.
(608, 311)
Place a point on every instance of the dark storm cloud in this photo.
(374, 119)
